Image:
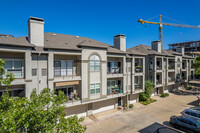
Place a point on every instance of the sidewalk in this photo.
(95, 118)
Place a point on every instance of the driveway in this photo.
(140, 117)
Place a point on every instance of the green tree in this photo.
(42, 112)
(5, 79)
(196, 65)
(144, 96)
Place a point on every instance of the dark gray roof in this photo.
(144, 49)
(61, 41)
(135, 52)
(176, 53)
(19, 41)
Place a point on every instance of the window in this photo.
(95, 88)
(34, 72)
(44, 72)
(114, 67)
(63, 67)
(178, 62)
(17, 92)
(14, 66)
(94, 63)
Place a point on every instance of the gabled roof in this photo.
(176, 53)
(19, 41)
(144, 49)
(61, 41)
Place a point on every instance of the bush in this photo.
(144, 96)
(164, 95)
(189, 87)
(148, 101)
(130, 106)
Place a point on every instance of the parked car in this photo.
(193, 113)
(194, 108)
(185, 123)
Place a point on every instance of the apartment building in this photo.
(167, 69)
(94, 76)
(191, 48)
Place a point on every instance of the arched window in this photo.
(178, 63)
(94, 63)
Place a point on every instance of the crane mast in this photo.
(160, 23)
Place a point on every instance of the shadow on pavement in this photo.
(184, 92)
(157, 128)
(194, 103)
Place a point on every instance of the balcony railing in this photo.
(158, 82)
(171, 67)
(171, 79)
(114, 90)
(17, 73)
(63, 71)
(158, 67)
(114, 70)
(138, 69)
(184, 78)
(138, 87)
(183, 67)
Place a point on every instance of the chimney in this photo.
(156, 45)
(180, 50)
(36, 31)
(120, 42)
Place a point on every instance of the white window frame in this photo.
(96, 64)
(22, 68)
(95, 88)
(64, 71)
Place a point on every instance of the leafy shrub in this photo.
(189, 87)
(148, 101)
(164, 95)
(130, 106)
(144, 96)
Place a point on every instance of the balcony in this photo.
(184, 64)
(138, 83)
(158, 79)
(72, 92)
(114, 87)
(171, 64)
(15, 66)
(159, 64)
(138, 65)
(184, 76)
(171, 67)
(138, 69)
(171, 77)
(171, 80)
(158, 67)
(17, 73)
(113, 70)
(58, 71)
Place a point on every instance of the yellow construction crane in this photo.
(160, 23)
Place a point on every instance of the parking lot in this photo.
(140, 117)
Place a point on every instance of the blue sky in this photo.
(102, 19)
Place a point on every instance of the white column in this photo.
(124, 75)
(28, 66)
(50, 66)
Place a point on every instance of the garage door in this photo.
(103, 106)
